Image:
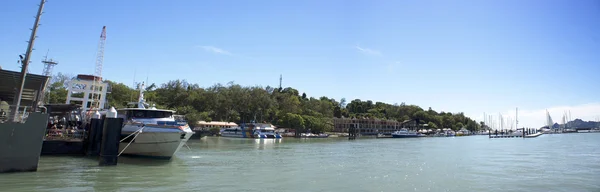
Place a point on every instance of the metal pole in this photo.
(25, 61)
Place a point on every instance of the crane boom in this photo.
(98, 71)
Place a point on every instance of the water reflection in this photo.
(262, 144)
(140, 173)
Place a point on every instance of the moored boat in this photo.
(405, 133)
(516, 133)
(151, 132)
(251, 130)
(312, 135)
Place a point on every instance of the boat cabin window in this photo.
(141, 114)
(232, 129)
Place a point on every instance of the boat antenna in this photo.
(141, 103)
(133, 84)
(146, 78)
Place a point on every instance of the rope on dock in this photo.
(137, 132)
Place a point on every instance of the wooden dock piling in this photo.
(352, 133)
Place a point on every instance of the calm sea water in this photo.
(567, 162)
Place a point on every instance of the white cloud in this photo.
(367, 51)
(537, 118)
(391, 67)
(215, 50)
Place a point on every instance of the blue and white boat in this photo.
(405, 133)
(251, 130)
(449, 133)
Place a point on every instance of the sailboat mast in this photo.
(484, 120)
(492, 122)
(500, 117)
(570, 118)
(517, 118)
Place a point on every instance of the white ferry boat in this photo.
(151, 132)
(405, 133)
(232, 132)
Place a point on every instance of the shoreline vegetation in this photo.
(283, 107)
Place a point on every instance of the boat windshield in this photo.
(232, 129)
(266, 131)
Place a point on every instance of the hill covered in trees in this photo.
(281, 106)
(578, 123)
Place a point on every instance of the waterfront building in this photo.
(372, 126)
(205, 126)
(81, 91)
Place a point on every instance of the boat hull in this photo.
(246, 134)
(153, 142)
(406, 136)
(22, 143)
(252, 137)
(314, 136)
(232, 135)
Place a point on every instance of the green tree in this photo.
(432, 125)
(458, 126)
(120, 95)
(57, 90)
(283, 107)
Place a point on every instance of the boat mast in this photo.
(25, 62)
(491, 122)
(570, 119)
(484, 120)
(517, 118)
(500, 117)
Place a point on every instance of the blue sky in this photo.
(470, 56)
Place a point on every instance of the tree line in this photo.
(284, 107)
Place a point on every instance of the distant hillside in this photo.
(578, 123)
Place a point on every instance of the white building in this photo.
(80, 91)
(205, 126)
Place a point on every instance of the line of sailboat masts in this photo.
(501, 122)
(567, 120)
(506, 122)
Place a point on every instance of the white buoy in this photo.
(96, 115)
(111, 113)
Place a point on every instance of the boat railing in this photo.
(7, 115)
(68, 134)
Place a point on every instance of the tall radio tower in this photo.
(48, 66)
(280, 80)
